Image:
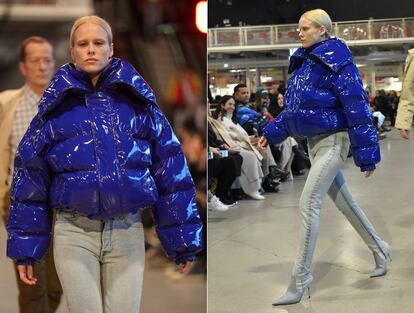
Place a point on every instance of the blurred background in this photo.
(166, 43)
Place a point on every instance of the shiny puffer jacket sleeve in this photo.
(29, 224)
(362, 133)
(177, 220)
(276, 132)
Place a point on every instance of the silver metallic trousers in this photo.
(328, 154)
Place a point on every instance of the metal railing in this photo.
(285, 36)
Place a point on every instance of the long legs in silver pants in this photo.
(328, 154)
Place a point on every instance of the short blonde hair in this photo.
(94, 20)
(320, 18)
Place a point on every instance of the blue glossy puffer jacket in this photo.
(101, 151)
(325, 94)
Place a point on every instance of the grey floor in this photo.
(251, 247)
(164, 289)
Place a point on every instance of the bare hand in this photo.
(215, 151)
(368, 173)
(184, 267)
(263, 143)
(26, 274)
(404, 134)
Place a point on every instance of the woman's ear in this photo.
(322, 31)
(111, 54)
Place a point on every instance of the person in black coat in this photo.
(225, 169)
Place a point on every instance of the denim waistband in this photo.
(327, 134)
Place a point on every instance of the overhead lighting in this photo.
(265, 78)
(226, 65)
(201, 16)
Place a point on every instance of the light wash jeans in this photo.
(100, 263)
(328, 154)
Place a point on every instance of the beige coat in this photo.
(233, 137)
(406, 105)
(8, 104)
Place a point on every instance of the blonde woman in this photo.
(326, 103)
(98, 151)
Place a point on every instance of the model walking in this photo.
(326, 103)
(97, 152)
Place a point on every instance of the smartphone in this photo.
(224, 153)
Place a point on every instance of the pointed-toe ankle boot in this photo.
(381, 261)
(292, 294)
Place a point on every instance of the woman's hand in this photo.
(26, 274)
(215, 151)
(185, 266)
(262, 143)
(404, 134)
(368, 173)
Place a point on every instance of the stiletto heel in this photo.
(381, 261)
(292, 295)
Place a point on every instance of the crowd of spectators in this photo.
(384, 106)
(237, 168)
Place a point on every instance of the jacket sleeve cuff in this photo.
(184, 257)
(28, 261)
(369, 167)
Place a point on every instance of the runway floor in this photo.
(252, 247)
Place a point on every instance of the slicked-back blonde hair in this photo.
(94, 20)
(320, 18)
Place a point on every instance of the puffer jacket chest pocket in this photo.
(320, 86)
(325, 80)
(133, 134)
(137, 153)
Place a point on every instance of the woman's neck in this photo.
(94, 79)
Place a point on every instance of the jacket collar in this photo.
(332, 52)
(68, 79)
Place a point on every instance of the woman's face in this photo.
(229, 106)
(280, 102)
(91, 50)
(310, 34)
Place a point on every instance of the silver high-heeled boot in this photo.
(381, 261)
(292, 294)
